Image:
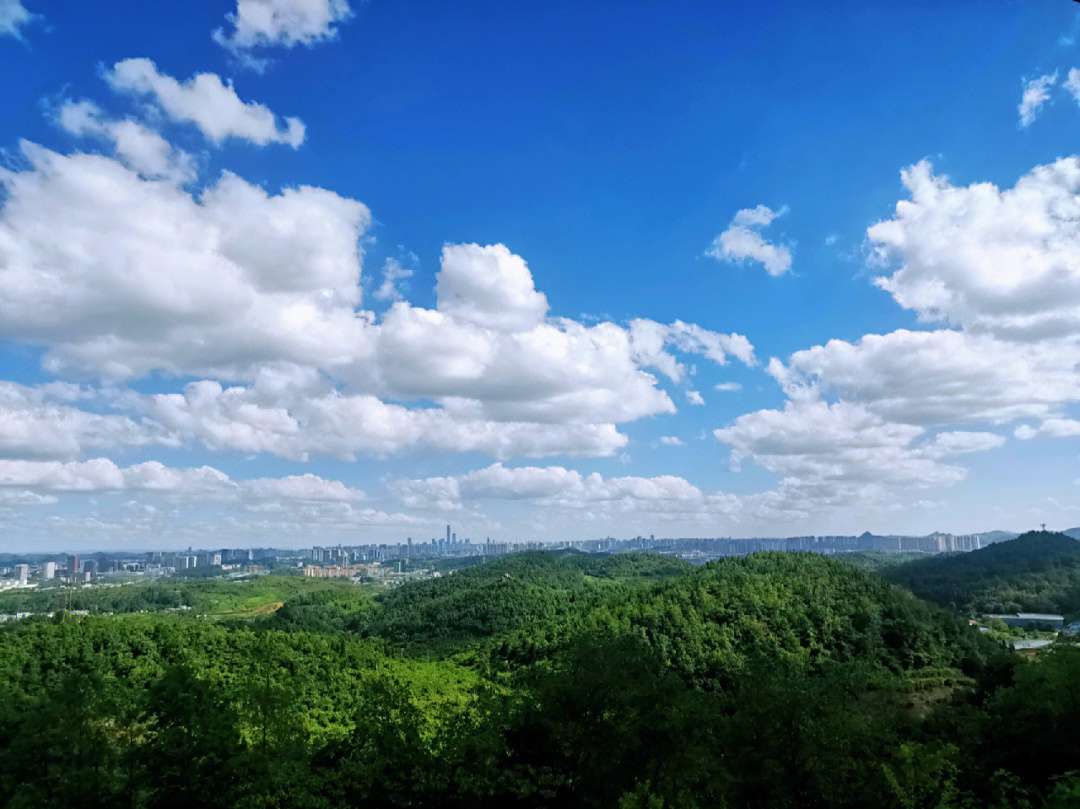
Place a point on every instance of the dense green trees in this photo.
(541, 681)
(1036, 572)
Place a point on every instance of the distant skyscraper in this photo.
(50, 570)
(447, 533)
(73, 567)
(23, 573)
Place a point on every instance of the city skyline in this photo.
(697, 549)
(351, 271)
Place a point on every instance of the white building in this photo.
(50, 570)
(1031, 620)
(22, 573)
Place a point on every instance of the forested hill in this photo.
(542, 680)
(509, 593)
(448, 612)
(704, 624)
(1037, 572)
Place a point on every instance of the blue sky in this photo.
(294, 271)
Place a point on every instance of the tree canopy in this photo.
(543, 680)
(1037, 572)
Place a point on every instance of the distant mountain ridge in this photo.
(1036, 572)
(990, 537)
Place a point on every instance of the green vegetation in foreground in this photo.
(544, 680)
(1036, 572)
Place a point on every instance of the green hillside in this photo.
(703, 623)
(792, 608)
(542, 680)
(450, 612)
(1037, 572)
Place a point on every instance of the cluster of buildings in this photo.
(692, 548)
(26, 575)
(434, 548)
(372, 571)
(76, 569)
(705, 548)
(373, 560)
(225, 558)
(696, 549)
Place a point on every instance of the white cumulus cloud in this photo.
(300, 423)
(36, 422)
(554, 486)
(123, 275)
(1036, 93)
(489, 287)
(287, 23)
(865, 419)
(393, 272)
(257, 296)
(1049, 428)
(1072, 83)
(837, 457)
(206, 101)
(13, 17)
(742, 241)
(104, 475)
(1001, 261)
(938, 377)
(139, 147)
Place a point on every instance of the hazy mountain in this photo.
(991, 537)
